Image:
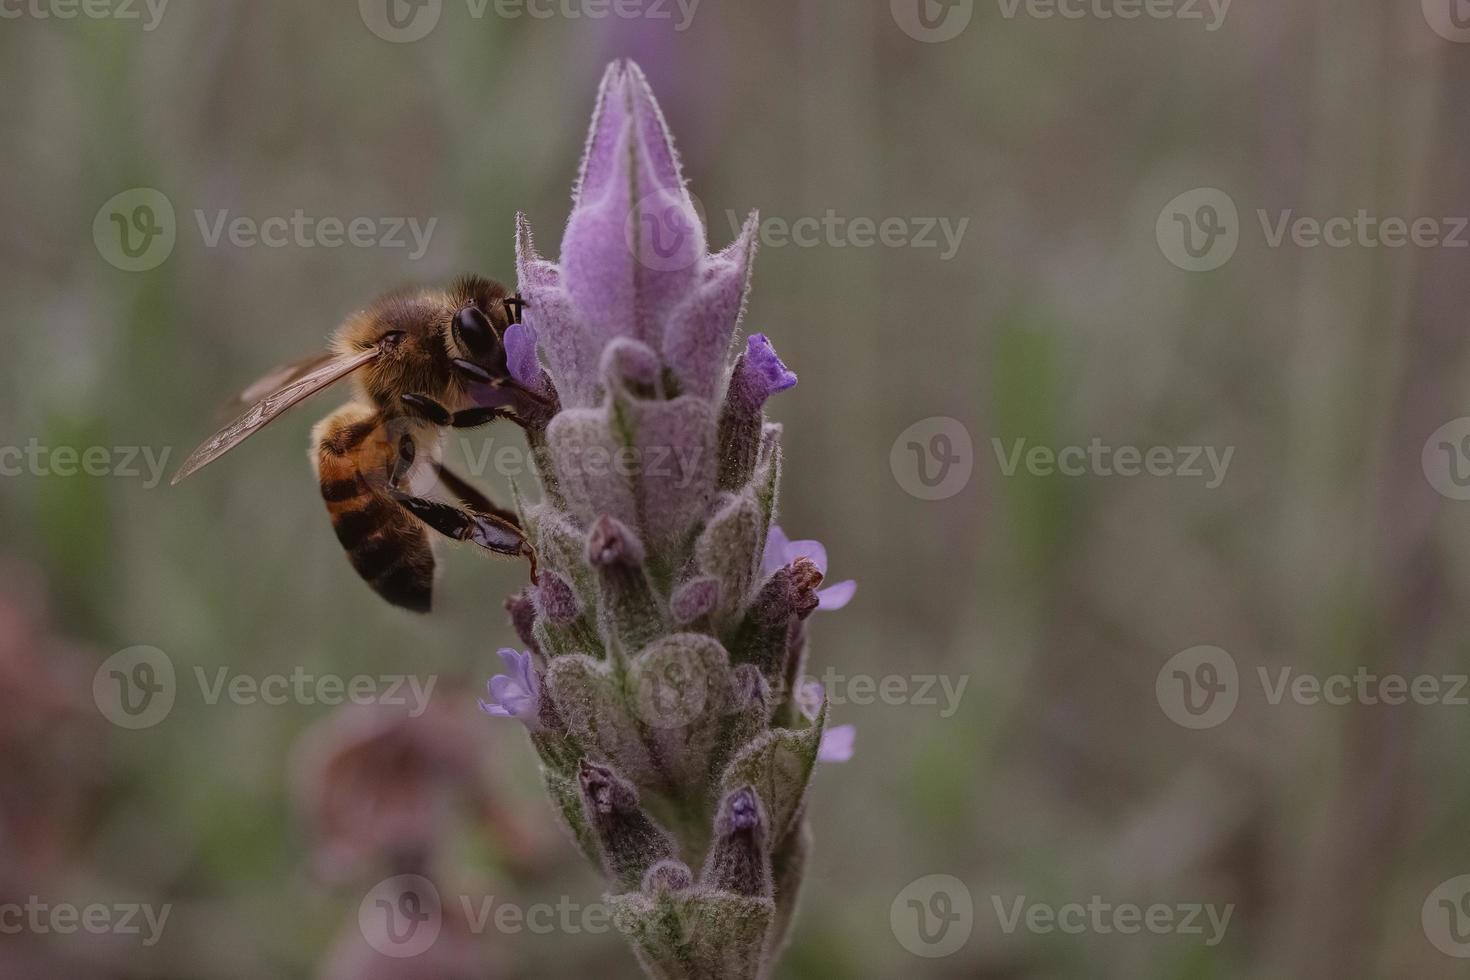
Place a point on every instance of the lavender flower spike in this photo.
(518, 693)
(668, 654)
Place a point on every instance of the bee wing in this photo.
(258, 415)
(279, 378)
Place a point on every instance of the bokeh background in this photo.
(1062, 317)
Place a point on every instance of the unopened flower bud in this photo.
(628, 610)
(631, 842)
(739, 860)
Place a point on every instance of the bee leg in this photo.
(427, 409)
(471, 418)
(461, 524)
(473, 372)
(472, 496)
(496, 531)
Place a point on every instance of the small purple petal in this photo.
(517, 694)
(809, 697)
(837, 744)
(762, 362)
(507, 691)
(775, 553)
(836, 596)
(782, 551)
(512, 660)
(520, 355)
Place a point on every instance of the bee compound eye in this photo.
(475, 333)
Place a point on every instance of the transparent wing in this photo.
(279, 378)
(260, 414)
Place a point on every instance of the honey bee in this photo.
(418, 359)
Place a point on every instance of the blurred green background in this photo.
(1058, 319)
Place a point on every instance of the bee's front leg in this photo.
(471, 418)
(490, 531)
(462, 524)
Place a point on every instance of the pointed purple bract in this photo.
(762, 369)
(634, 261)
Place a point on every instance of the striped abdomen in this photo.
(387, 547)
